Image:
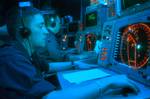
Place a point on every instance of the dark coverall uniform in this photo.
(20, 75)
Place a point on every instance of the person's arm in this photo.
(90, 91)
(117, 82)
(95, 89)
(60, 66)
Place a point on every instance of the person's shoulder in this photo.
(9, 51)
(6, 48)
(10, 55)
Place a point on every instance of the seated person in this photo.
(21, 71)
(53, 51)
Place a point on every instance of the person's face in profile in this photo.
(38, 31)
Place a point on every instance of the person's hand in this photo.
(117, 82)
(122, 81)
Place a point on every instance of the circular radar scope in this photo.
(135, 45)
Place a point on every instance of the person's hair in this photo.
(19, 17)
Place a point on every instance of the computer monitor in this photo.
(130, 46)
(126, 7)
(90, 41)
(133, 45)
(91, 19)
(125, 4)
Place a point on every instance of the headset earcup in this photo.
(24, 32)
(55, 25)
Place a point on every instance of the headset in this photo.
(23, 31)
(55, 24)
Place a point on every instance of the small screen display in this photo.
(91, 19)
(90, 41)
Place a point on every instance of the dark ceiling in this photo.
(64, 7)
(72, 7)
(67, 7)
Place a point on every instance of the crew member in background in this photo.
(53, 52)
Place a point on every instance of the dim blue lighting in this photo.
(70, 18)
(25, 4)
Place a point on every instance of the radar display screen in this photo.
(90, 41)
(133, 45)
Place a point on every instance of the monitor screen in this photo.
(133, 45)
(90, 41)
(91, 19)
(111, 8)
(129, 3)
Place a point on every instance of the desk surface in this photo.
(144, 91)
(81, 56)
